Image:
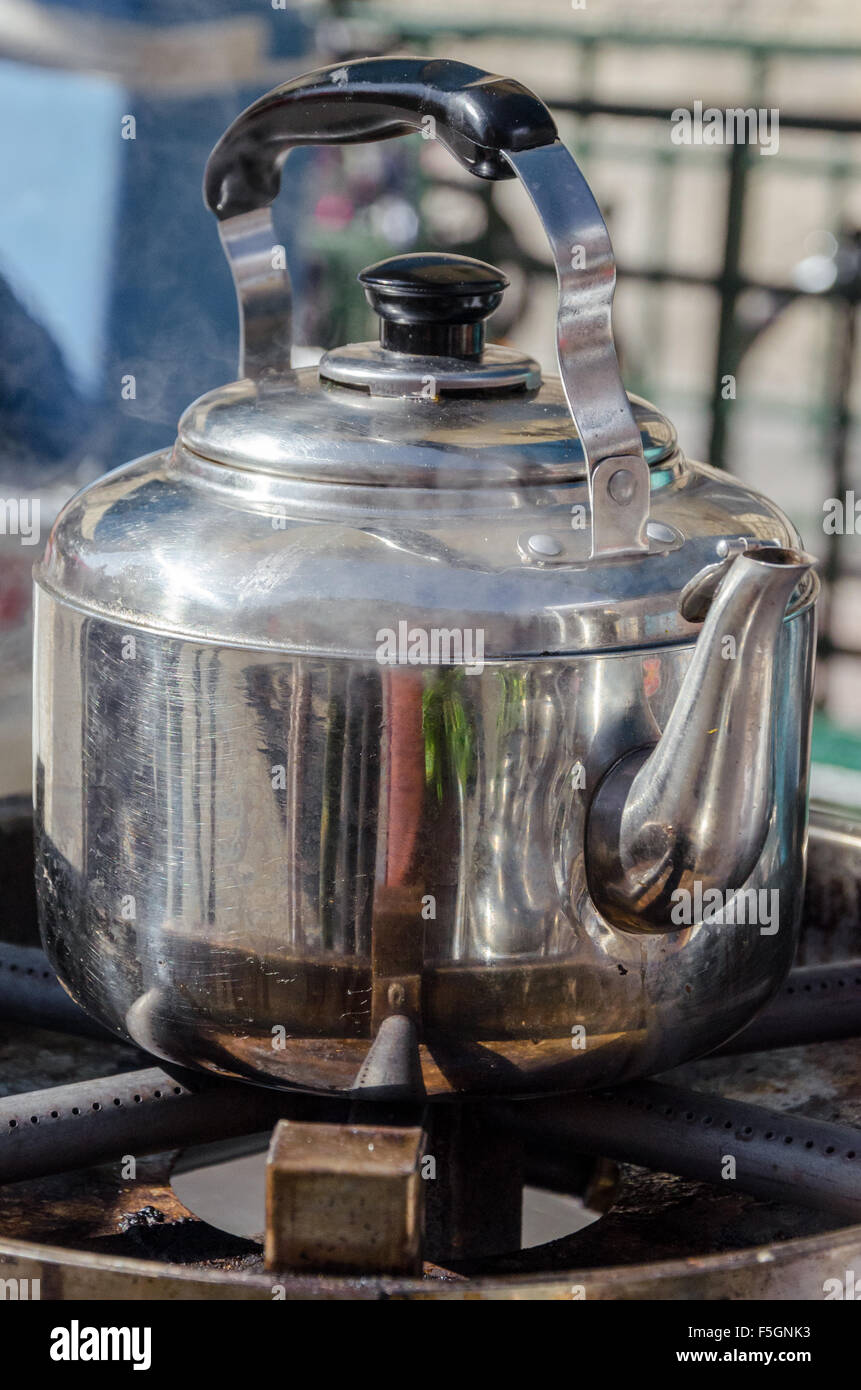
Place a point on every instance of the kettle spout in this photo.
(693, 811)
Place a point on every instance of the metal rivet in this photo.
(658, 531)
(544, 545)
(621, 486)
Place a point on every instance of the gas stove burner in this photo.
(735, 1176)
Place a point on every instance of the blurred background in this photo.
(116, 307)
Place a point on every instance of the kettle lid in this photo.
(430, 404)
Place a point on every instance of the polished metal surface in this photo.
(374, 369)
(298, 564)
(325, 693)
(586, 271)
(302, 427)
(588, 366)
(255, 825)
(658, 824)
(262, 285)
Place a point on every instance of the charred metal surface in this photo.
(94, 1234)
(35, 1058)
(696, 1135)
(832, 894)
(663, 1237)
(16, 866)
(96, 1211)
(818, 1003)
(392, 1071)
(30, 993)
(93, 1211)
(139, 1112)
(474, 1201)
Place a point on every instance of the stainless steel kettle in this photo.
(415, 722)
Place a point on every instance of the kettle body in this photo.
(396, 732)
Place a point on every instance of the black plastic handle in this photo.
(470, 111)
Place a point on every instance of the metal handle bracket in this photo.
(378, 98)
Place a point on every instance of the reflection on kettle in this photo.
(418, 868)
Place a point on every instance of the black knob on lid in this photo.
(431, 304)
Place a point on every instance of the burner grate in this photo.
(785, 1098)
